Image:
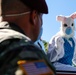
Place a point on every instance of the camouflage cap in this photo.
(39, 5)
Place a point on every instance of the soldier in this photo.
(21, 21)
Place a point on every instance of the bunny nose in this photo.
(68, 31)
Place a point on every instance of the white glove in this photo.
(59, 43)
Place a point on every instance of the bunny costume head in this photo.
(67, 25)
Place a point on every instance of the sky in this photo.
(55, 8)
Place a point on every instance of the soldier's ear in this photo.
(1, 18)
(33, 17)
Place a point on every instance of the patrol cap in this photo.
(39, 5)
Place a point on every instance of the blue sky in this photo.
(56, 7)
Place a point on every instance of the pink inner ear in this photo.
(73, 16)
(61, 18)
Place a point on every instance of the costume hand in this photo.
(59, 43)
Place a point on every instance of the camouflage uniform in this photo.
(14, 48)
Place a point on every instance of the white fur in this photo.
(56, 44)
(67, 20)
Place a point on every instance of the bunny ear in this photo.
(73, 16)
(60, 18)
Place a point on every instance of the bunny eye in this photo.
(72, 24)
(65, 25)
